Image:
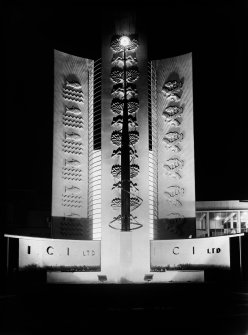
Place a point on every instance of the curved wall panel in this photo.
(70, 147)
(176, 179)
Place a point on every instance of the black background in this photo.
(215, 31)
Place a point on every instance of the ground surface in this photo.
(130, 309)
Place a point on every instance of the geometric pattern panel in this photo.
(70, 143)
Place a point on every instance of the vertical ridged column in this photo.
(153, 150)
(94, 204)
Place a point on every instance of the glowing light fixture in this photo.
(124, 41)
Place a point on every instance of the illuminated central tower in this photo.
(123, 168)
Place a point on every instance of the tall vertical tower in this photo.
(125, 246)
(123, 162)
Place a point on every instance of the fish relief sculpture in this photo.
(117, 106)
(132, 75)
(134, 170)
(117, 75)
(172, 115)
(116, 171)
(116, 137)
(119, 61)
(133, 106)
(73, 136)
(132, 152)
(174, 191)
(133, 137)
(172, 139)
(173, 166)
(72, 188)
(73, 84)
(116, 203)
(173, 90)
(133, 186)
(72, 162)
(73, 110)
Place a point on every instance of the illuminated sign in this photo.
(190, 254)
(59, 254)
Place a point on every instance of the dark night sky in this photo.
(215, 33)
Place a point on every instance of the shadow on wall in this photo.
(170, 229)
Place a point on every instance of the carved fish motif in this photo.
(173, 137)
(132, 120)
(119, 61)
(173, 90)
(171, 115)
(73, 84)
(173, 164)
(174, 190)
(72, 189)
(133, 106)
(173, 111)
(117, 152)
(73, 110)
(118, 185)
(172, 85)
(174, 174)
(116, 137)
(173, 122)
(72, 162)
(173, 147)
(173, 97)
(131, 61)
(134, 170)
(116, 203)
(116, 75)
(118, 93)
(118, 218)
(135, 202)
(117, 120)
(132, 75)
(116, 171)
(73, 136)
(133, 136)
(117, 107)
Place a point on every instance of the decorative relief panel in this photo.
(118, 76)
(173, 91)
(70, 158)
(176, 193)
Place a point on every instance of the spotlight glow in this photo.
(124, 41)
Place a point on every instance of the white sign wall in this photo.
(35, 252)
(191, 253)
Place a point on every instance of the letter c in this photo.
(175, 252)
(48, 250)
